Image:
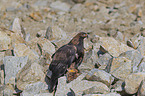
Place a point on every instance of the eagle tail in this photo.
(53, 83)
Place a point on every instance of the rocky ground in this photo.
(31, 31)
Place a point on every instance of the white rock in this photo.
(133, 81)
(12, 65)
(46, 46)
(1, 77)
(60, 6)
(5, 41)
(121, 67)
(16, 27)
(1, 57)
(22, 50)
(100, 76)
(80, 86)
(30, 73)
(34, 88)
(112, 46)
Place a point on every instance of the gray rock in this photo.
(41, 3)
(12, 65)
(91, 87)
(44, 94)
(142, 67)
(121, 67)
(133, 81)
(109, 94)
(30, 73)
(60, 6)
(27, 38)
(103, 60)
(16, 27)
(6, 90)
(142, 89)
(1, 57)
(119, 36)
(118, 86)
(80, 86)
(100, 76)
(56, 34)
(34, 88)
(62, 87)
(5, 41)
(1, 77)
(21, 49)
(135, 41)
(135, 57)
(46, 46)
(141, 47)
(112, 46)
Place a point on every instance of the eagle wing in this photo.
(62, 58)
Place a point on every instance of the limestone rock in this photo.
(56, 34)
(34, 88)
(22, 50)
(44, 94)
(103, 60)
(16, 27)
(33, 44)
(12, 65)
(118, 86)
(119, 36)
(6, 90)
(88, 44)
(100, 76)
(16, 39)
(1, 77)
(142, 89)
(80, 86)
(135, 41)
(5, 41)
(141, 47)
(142, 67)
(109, 94)
(133, 81)
(121, 67)
(30, 73)
(46, 46)
(112, 46)
(91, 87)
(135, 57)
(1, 57)
(63, 88)
(58, 5)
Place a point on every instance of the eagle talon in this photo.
(71, 71)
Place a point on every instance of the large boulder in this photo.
(22, 50)
(13, 65)
(5, 41)
(135, 57)
(80, 86)
(30, 73)
(6, 90)
(121, 67)
(133, 81)
(58, 5)
(100, 76)
(141, 47)
(34, 88)
(1, 77)
(113, 47)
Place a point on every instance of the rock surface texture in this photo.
(114, 59)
